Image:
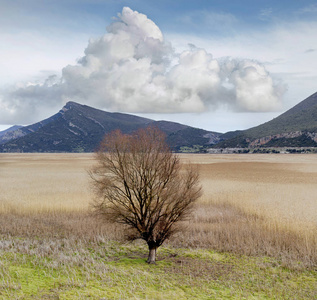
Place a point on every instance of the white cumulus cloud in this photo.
(133, 69)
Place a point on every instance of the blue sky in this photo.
(220, 65)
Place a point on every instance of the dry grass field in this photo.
(263, 204)
(279, 187)
(278, 191)
(34, 183)
(257, 205)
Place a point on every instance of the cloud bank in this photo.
(133, 69)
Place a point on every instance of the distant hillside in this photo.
(296, 127)
(5, 134)
(16, 132)
(80, 128)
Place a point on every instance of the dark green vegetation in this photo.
(80, 128)
(295, 128)
(303, 140)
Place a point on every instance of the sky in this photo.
(213, 64)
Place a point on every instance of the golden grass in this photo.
(252, 204)
(275, 186)
(279, 187)
(34, 183)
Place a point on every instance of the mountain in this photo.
(80, 128)
(6, 135)
(297, 127)
(17, 131)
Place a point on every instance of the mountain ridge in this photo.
(295, 127)
(80, 128)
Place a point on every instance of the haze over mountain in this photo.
(80, 128)
(296, 127)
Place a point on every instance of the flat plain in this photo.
(252, 234)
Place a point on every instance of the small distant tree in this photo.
(139, 182)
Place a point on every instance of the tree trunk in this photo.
(152, 255)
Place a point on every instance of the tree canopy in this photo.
(139, 182)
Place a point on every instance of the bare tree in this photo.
(140, 182)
